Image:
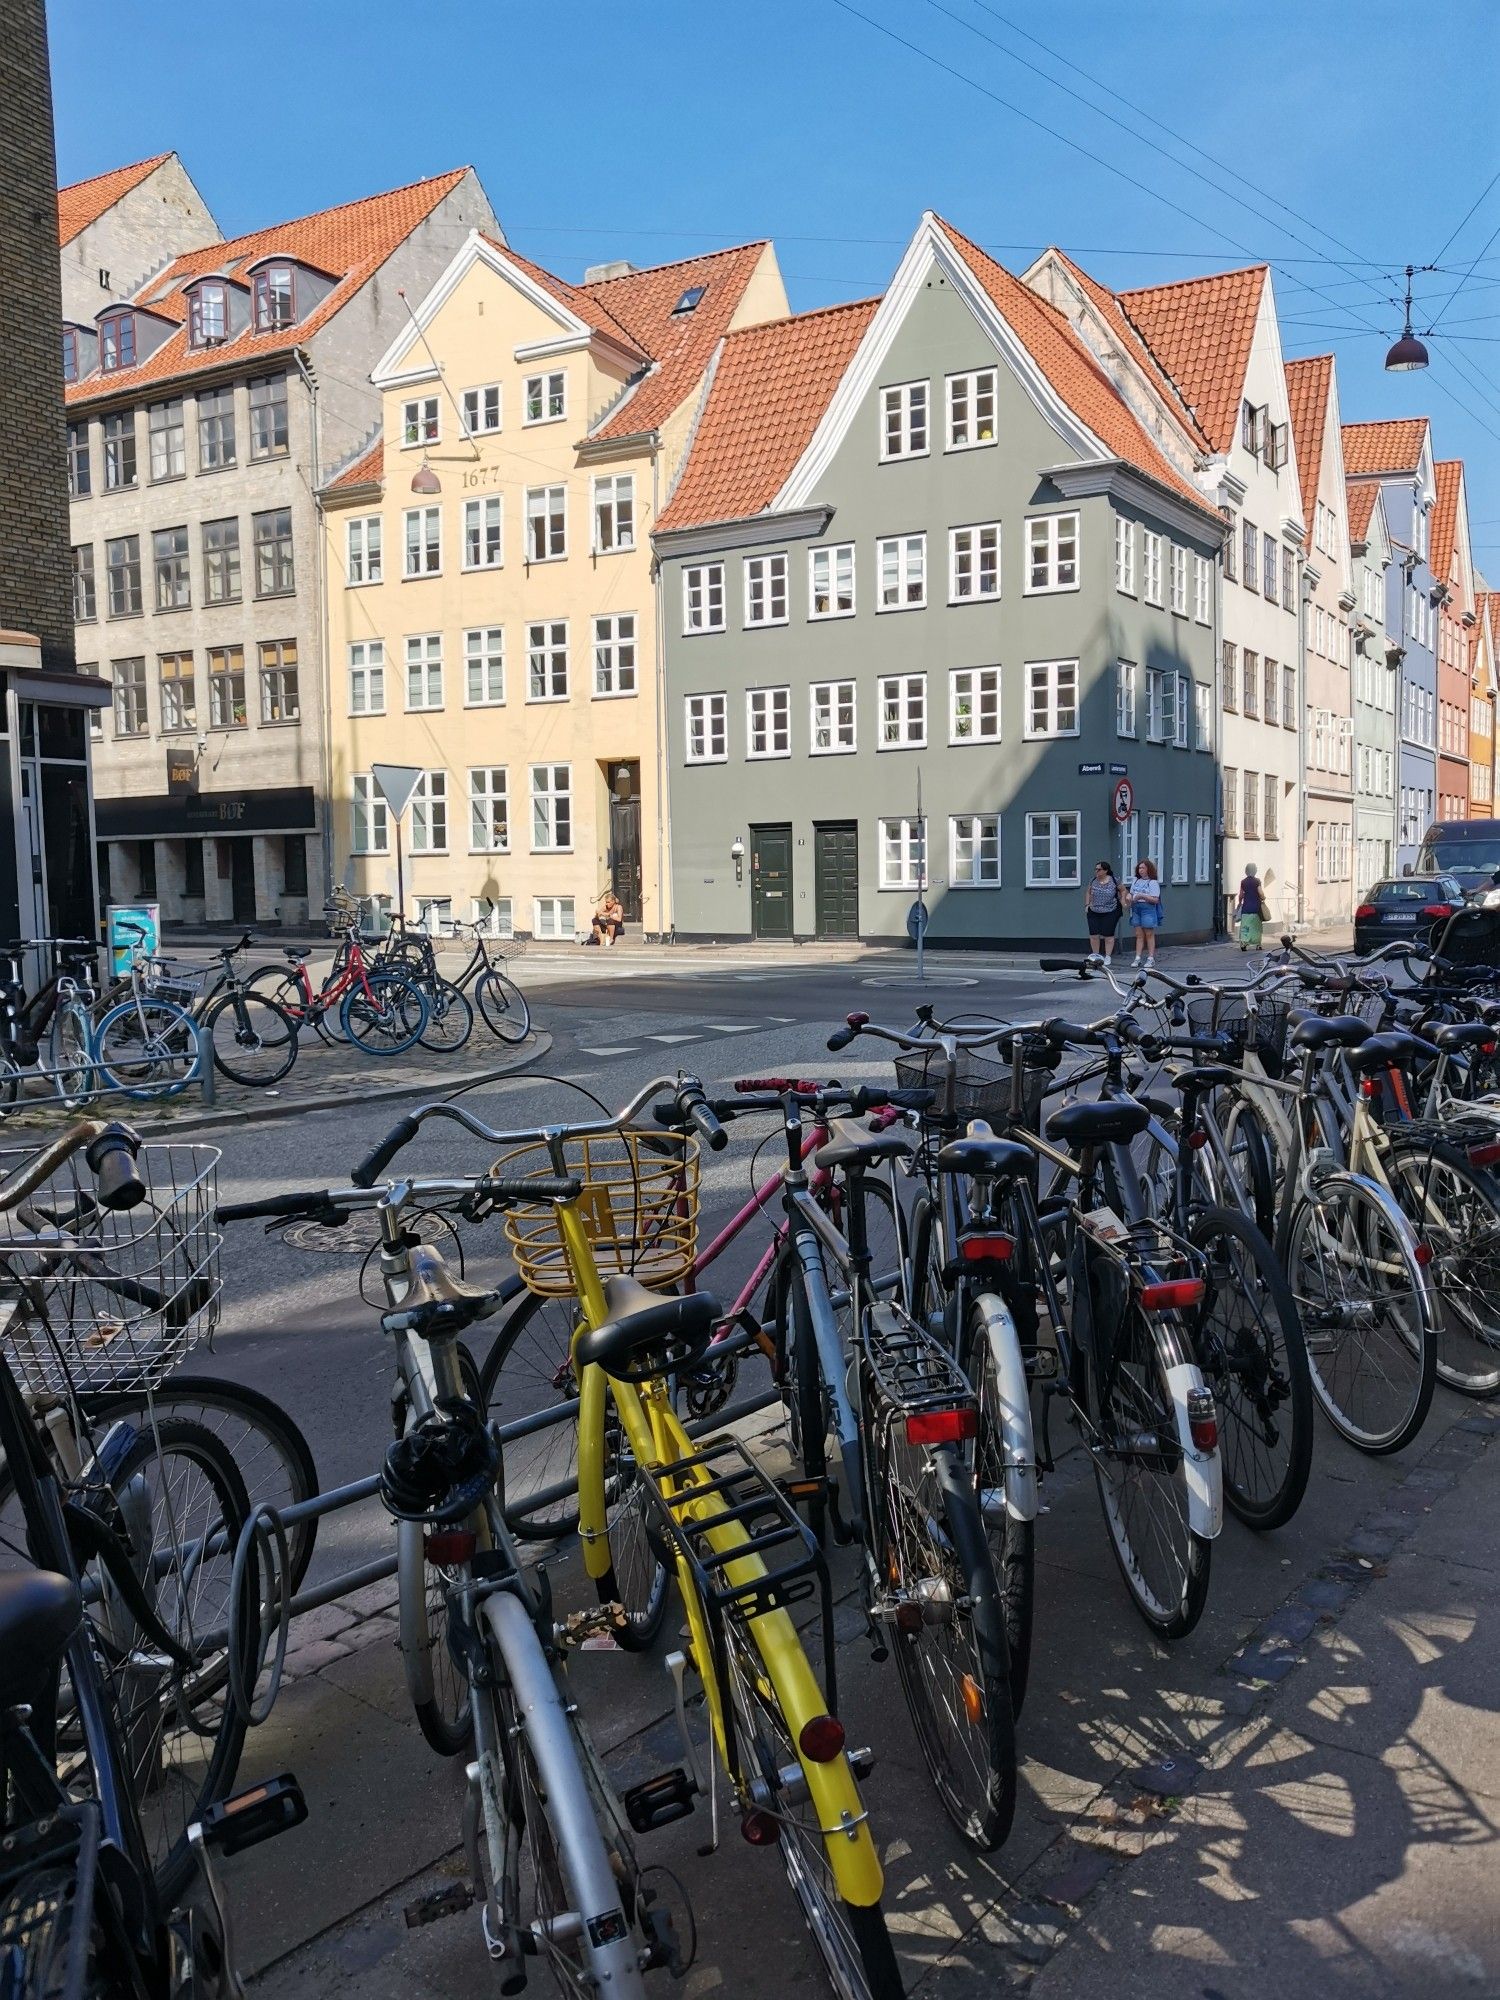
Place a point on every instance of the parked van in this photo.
(1468, 849)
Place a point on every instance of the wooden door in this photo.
(836, 873)
(771, 881)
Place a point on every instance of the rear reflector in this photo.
(1172, 1295)
(1485, 1155)
(1197, 1138)
(759, 1828)
(943, 1426)
(973, 1696)
(995, 1248)
(1423, 1255)
(447, 1546)
(1369, 1087)
(1203, 1420)
(821, 1739)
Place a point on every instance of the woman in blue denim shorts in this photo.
(1145, 911)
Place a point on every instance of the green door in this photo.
(771, 881)
(836, 864)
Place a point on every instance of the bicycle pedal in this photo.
(592, 1630)
(660, 1800)
(449, 1901)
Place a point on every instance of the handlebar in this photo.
(111, 1154)
(935, 1039)
(332, 1205)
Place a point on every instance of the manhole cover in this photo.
(361, 1233)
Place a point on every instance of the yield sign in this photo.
(396, 783)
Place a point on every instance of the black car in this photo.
(1405, 906)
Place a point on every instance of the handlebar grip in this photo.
(375, 1162)
(537, 1187)
(840, 1039)
(710, 1131)
(1079, 965)
(307, 1202)
(111, 1158)
(911, 1100)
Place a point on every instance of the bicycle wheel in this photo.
(1454, 1207)
(438, 1686)
(926, 1288)
(1253, 1357)
(450, 1019)
(529, 1369)
(1367, 1316)
(255, 1043)
(286, 992)
(639, 1576)
(503, 1006)
(146, 1048)
(852, 1940)
(388, 1019)
(1012, 1542)
(802, 1391)
(68, 1055)
(884, 1233)
(932, 1556)
(1252, 1159)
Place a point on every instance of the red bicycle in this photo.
(381, 1012)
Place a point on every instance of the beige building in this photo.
(492, 606)
(117, 230)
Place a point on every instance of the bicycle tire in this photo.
(802, 1392)
(530, 1360)
(10, 1082)
(69, 1053)
(1012, 1542)
(1252, 1155)
(1339, 1278)
(286, 993)
(925, 1287)
(1465, 1271)
(504, 1006)
(387, 1021)
(254, 1040)
(450, 1018)
(440, 1695)
(146, 1049)
(1254, 1369)
(639, 1574)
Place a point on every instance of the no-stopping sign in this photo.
(1123, 804)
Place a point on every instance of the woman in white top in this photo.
(1145, 911)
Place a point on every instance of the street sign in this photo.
(916, 921)
(1091, 770)
(396, 783)
(1123, 803)
(1118, 770)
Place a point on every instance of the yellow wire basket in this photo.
(639, 1205)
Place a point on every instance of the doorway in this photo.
(625, 837)
(771, 881)
(242, 881)
(836, 878)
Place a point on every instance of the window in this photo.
(1180, 826)
(1179, 561)
(226, 687)
(766, 590)
(278, 681)
(268, 417)
(903, 854)
(1052, 841)
(482, 533)
(435, 915)
(552, 917)
(1182, 711)
(122, 563)
(830, 581)
(369, 823)
(1203, 850)
(1269, 825)
(902, 560)
(429, 813)
(1052, 698)
(208, 315)
(130, 697)
(1156, 842)
(1288, 697)
(484, 666)
(221, 561)
(768, 722)
(832, 717)
(1250, 553)
(489, 811)
(974, 851)
(1250, 427)
(363, 542)
(1251, 803)
(216, 440)
(546, 397)
(493, 915)
(1127, 679)
(274, 298)
(903, 711)
(1288, 581)
(1125, 555)
(80, 474)
(1269, 675)
(179, 699)
(547, 660)
(1203, 714)
(420, 422)
(903, 420)
(274, 572)
(974, 705)
(1202, 590)
(971, 409)
(167, 436)
(424, 541)
(119, 451)
(1151, 565)
(1052, 552)
(691, 299)
(1230, 543)
(170, 567)
(614, 654)
(974, 563)
(546, 523)
(551, 807)
(85, 595)
(1272, 567)
(706, 729)
(1229, 675)
(703, 597)
(614, 513)
(1161, 706)
(1231, 800)
(1252, 682)
(367, 677)
(69, 354)
(481, 410)
(424, 670)
(117, 342)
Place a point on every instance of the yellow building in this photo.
(491, 604)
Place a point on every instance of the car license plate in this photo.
(1400, 917)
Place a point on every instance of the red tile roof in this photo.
(1362, 495)
(366, 470)
(1393, 445)
(770, 387)
(1448, 476)
(1308, 383)
(350, 242)
(1129, 336)
(84, 202)
(1201, 331)
(577, 299)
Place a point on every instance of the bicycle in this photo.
(144, 1045)
(381, 1013)
(56, 1018)
(740, 1553)
(500, 1001)
(254, 1041)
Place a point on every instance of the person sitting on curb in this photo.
(608, 921)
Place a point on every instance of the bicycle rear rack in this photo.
(912, 1370)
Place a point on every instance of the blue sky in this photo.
(653, 131)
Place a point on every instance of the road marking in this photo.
(783, 1020)
(938, 979)
(625, 1049)
(674, 1038)
(731, 1027)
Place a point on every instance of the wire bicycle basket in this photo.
(181, 985)
(983, 1085)
(639, 1204)
(98, 1299)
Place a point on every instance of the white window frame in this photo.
(616, 646)
(1052, 823)
(708, 714)
(910, 568)
(548, 395)
(767, 585)
(1049, 540)
(364, 551)
(364, 797)
(484, 521)
(429, 548)
(1203, 599)
(1156, 843)
(547, 509)
(981, 688)
(421, 423)
(424, 653)
(1177, 566)
(910, 405)
(703, 598)
(831, 555)
(1127, 699)
(560, 925)
(768, 723)
(1203, 714)
(1151, 567)
(367, 672)
(969, 834)
(429, 808)
(910, 692)
(1053, 705)
(1161, 705)
(612, 499)
(902, 841)
(478, 424)
(1181, 836)
(827, 703)
(1182, 713)
(1203, 850)
(494, 915)
(1124, 555)
(544, 650)
(546, 795)
(483, 796)
(972, 385)
(971, 543)
(484, 649)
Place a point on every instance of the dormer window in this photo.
(70, 354)
(274, 298)
(117, 342)
(691, 298)
(208, 315)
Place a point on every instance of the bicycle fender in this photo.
(1015, 1406)
(1205, 1474)
(415, 1637)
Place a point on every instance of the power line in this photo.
(1457, 232)
(1465, 278)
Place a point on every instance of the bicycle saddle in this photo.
(1322, 1031)
(983, 1156)
(1454, 1035)
(646, 1333)
(291, 953)
(432, 1284)
(1390, 1051)
(39, 1613)
(1099, 1122)
(1206, 1076)
(854, 1144)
